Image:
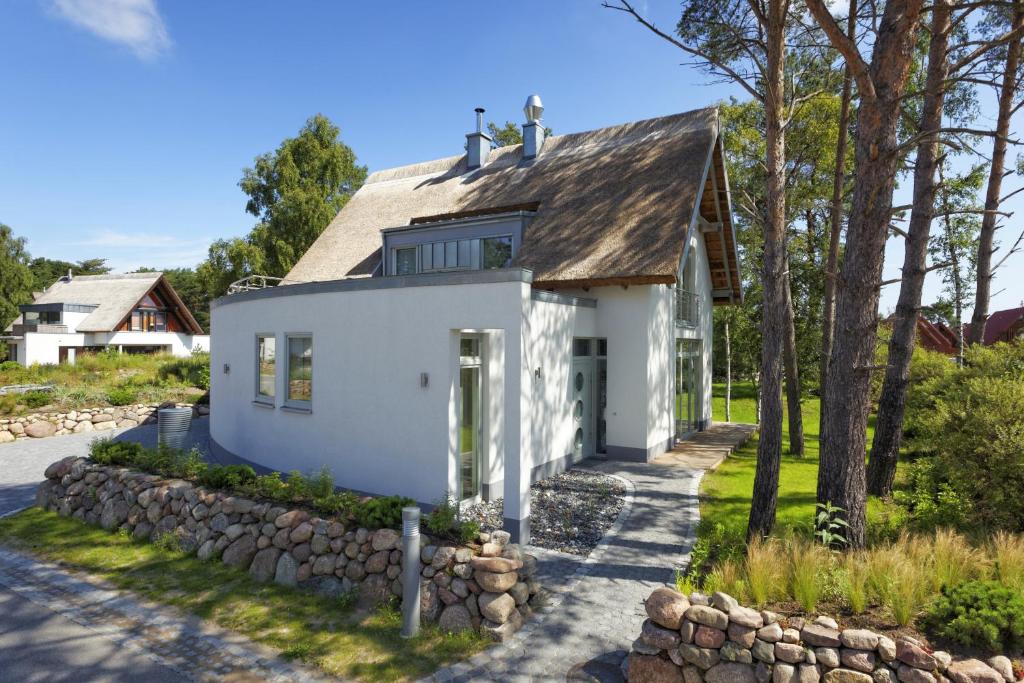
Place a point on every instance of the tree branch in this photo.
(624, 6)
(845, 45)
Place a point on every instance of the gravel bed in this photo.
(569, 512)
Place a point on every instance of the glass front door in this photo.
(687, 398)
(469, 418)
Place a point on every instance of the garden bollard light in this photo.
(410, 571)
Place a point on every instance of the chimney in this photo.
(478, 144)
(533, 129)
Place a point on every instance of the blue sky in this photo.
(126, 124)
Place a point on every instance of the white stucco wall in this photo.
(550, 331)
(44, 348)
(371, 421)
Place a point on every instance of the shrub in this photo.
(979, 614)
(974, 435)
(270, 486)
(386, 511)
(117, 453)
(468, 530)
(228, 476)
(297, 486)
(441, 519)
(193, 371)
(36, 399)
(121, 396)
(9, 365)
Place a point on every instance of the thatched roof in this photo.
(114, 296)
(613, 205)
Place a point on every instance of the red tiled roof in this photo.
(1000, 322)
(938, 338)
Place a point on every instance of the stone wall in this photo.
(489, 588)
(715, 640)
(40, 425)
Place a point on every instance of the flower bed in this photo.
(716, 640)
(489, 587)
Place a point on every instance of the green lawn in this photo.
(726, 492)
(321, 632)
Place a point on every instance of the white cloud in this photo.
(136, 24)
(127, 251)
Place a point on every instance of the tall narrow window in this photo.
(405, 261)
(300, 370)
(266, 365)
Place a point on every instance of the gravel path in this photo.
(569, 512)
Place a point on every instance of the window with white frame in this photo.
(266, 367)
(300, 371)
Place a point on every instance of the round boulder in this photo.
(495, 582)
(667, 608)
(264, 564)
(497, 606)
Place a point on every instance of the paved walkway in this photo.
(586, 635)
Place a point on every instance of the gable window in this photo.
(300, 371)
(144, 320)
(266, 367)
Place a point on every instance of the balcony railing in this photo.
(40, 328)
(252, 282)
(687, 308)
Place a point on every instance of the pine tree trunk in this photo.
(728, 374)
(773, 325)
(792, 371)
(986, 237)
(892, 403)
(847, 399)
(835, 222)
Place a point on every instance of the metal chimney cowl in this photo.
(533, 129)
(478, 144)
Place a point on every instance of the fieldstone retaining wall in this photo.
(41, 425)
(701, 639)
(489, 588)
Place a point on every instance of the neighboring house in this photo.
(1003, 326)
(134, 313)
(936, 337)
(468, 325)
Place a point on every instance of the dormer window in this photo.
(478, 242)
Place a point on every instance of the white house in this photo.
(134, 313)
(468, 325)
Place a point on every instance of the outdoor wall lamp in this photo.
(227, 368)
(424, 380)
(538, 373)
